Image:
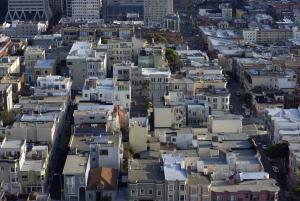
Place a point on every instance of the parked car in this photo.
(265, 146)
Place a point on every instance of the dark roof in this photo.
(102, 179)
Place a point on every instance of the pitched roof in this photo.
(102, 178)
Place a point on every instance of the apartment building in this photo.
(145, 180)
(253, 186)
(83, 61)
(76, 62)
(88, 9)
(157, 79)
(218, 99)
(75, 175)
(29, 10)
(175, 177)
(102, 184)
(99, 116)
(15, 81)
(53, 85)
(9, 65)
(12, 157)
(227, 123)
(40, 128)
(109, 91)
(106, 150)
(281, 122)
(18, 28)
(44, 67)
(155, 11)
(33, 173)
(270, 78)
(151, 57)
(267, 36)
(182, 138)
(6, 99)
(31, 55)
(138, 133)
(167, 116)
(119, 50)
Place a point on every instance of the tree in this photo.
(7, 118)
(281, 152)
(173, 59)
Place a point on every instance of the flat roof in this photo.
(75, 165)
(144, 170)
(253, 186)
(45, 63)
(33, 165)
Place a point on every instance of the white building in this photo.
(112, 91)
(281, 123)
(98, 90)
(182, 137)
(106, 150)
(76, 62)
(12, 157)
(83, 61)
(53, 85)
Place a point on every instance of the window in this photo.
(150, 191)
(170, 187)
(215, 100)
(232, 198)
(104, 152)
(182, 198)
(12, 169)
(85, 95)
(133, 193)
(158, 193)
(170, 198)
(24, 178)
(182, 187)
(2, 169)
(81, 180)
(141, 191)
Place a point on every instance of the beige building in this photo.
(9, 65)
(31, 55)
(138, 132)
(225, 123)
(44, 67)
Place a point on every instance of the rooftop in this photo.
(45, 63)
(80, 49)
(173, 169)
(140, 170)
(253, 186)
(103, 178)
(33, 165)
(75, 165)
